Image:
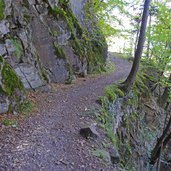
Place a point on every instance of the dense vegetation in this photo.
(152, 81)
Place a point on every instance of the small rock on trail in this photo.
(89, 132)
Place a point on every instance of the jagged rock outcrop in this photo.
(50, 40)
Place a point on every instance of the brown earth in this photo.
(49, 140)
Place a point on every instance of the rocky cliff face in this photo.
(48, 41)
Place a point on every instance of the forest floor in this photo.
(49, 139)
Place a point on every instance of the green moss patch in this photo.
(103, 154)
(10, 80)
(18, 48)
(59, 51)
(26, 107)
(84, 44)
(112, 92)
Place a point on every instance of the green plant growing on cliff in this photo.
(18, 48)
(112, 92)
(85, 45)
(10, 80)
(72, 23)
(2, 6)
(140, 86)
(59, 51)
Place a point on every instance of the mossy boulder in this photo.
(11, 88)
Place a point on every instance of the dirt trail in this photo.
(49, 139)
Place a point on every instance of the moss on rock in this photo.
(112, 92)
(59, 51)
(18, 48)
(2, 6)
(85, 45)
(10, 81)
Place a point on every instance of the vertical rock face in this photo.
(77, 7)
(49, 40)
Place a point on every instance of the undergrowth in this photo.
(26, 107)
(133, 131)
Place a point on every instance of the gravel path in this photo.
(49, 140)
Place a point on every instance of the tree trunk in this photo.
(148, 44)
(161, 143)
(136, 39)
(163, 99)
(132, 75)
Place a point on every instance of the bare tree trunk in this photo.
(132, 75)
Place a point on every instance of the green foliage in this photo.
(104, 102)
(10, 80)
(103, 10)
(104, 155)
(26, 107)
(140, 86)
(59, 51)
(159, 40)
(85, 45)
(159, 35)
(110, 133)
(18, 48)
(112, 92)
(9, 122)
(2, 6)
(45, 75)
(70, 18)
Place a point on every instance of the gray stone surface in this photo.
(35, 57)
(2, 50)
(32, 2)
(89, 132)
(77, 7)
(43, 42)
(23, 36)
(114, 155)
(53, 3)
(29, 76)
(4, 104)
(8, 8)
(4, 28)
(63, 39)
(9, 46)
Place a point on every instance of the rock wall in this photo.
(50, 40)
(11, 88)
